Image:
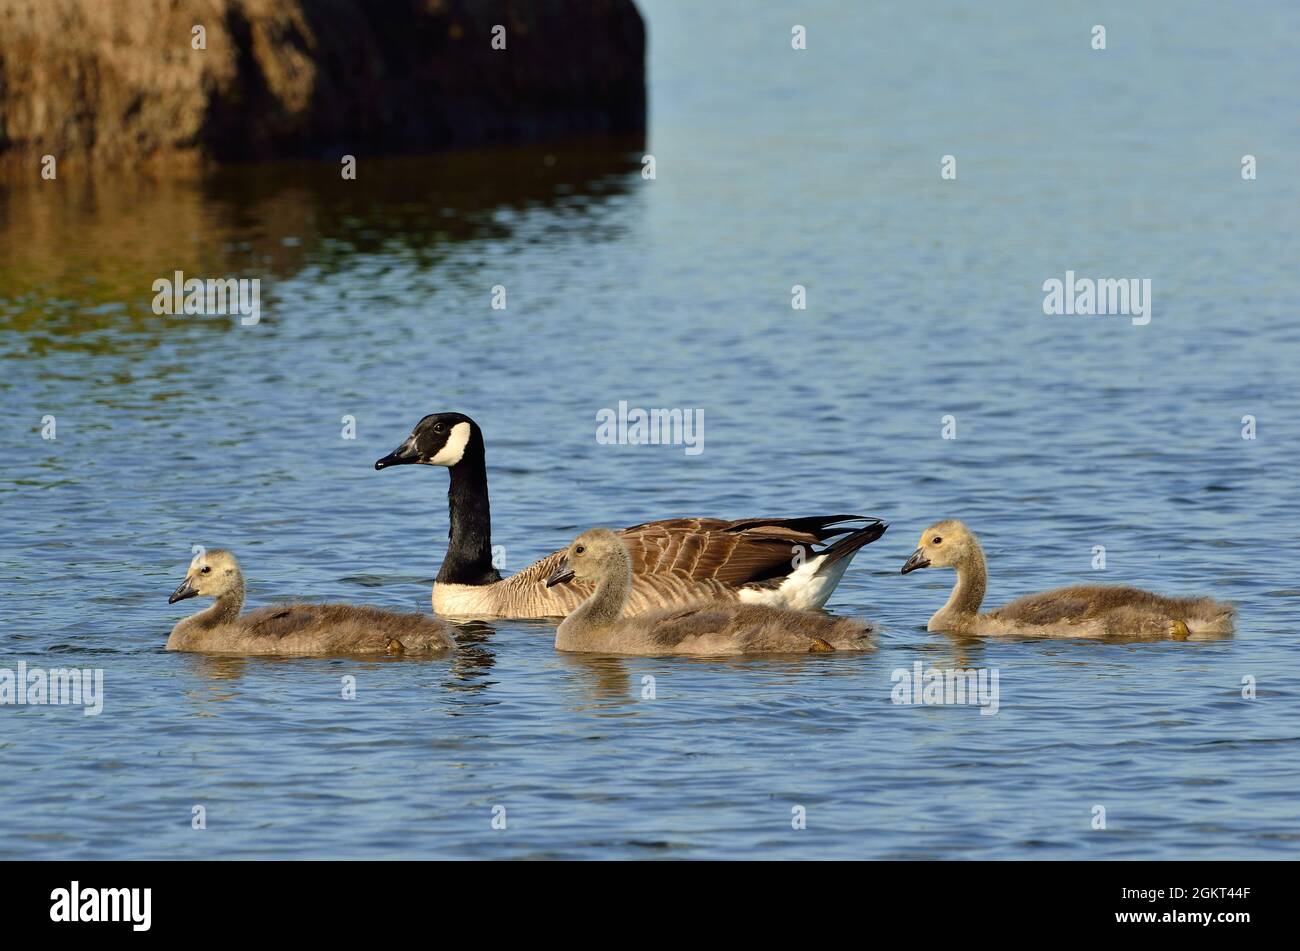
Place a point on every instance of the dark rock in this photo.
(117, 83)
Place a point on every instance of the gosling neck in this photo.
(603, 609)
(224, 609)
(469, 550)
(968, 593)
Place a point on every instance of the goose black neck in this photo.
(469, 553)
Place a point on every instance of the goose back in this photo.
(1112, 611)
(720, 628)
(683, 561)
(300, 629)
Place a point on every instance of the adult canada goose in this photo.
(675, 562)
(291, 628)
(1080, 611)
(599, 557)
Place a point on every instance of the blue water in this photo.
(774, 167)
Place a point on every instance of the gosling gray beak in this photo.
(403, 455)
(916, 560)
(561, 574)
(185, 590)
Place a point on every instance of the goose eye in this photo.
(579, 550)
(936, 540)
(437, 427)
(205, 569)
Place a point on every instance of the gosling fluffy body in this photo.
(291, 629)
(1079, 611)
(599, 624)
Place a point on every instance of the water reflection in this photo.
(80, 256)
(605, 680)
(216, 666)
(613, 680)
(474, 659)
(467, 667)
(212, 681)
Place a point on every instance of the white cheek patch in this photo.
(454, 449)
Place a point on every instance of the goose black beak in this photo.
(185, 590)
(916, 560)
(561, 574)
(403, 455)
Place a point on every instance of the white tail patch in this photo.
(807, 588)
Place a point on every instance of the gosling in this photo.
(291, 628)
(1080, 611)
(598, 625)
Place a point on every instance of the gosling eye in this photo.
(579, 550)
(936, 540)
(205, 569)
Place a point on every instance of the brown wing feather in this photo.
(346, 628)
(685, 560)
(703, 548)
(698, 549)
